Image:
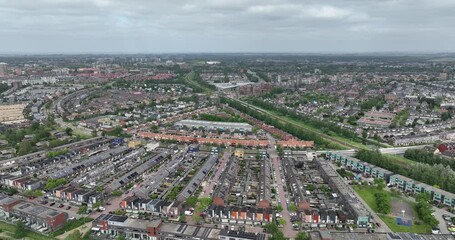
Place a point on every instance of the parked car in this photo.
(52, 204)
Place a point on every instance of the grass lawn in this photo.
(399, 159)
(9, 228)
(392, 223)
(301, 124)
(367, 194)
(70, 225)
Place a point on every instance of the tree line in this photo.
(324, 126)
(423, 156)
(291, 129)
(424, 209)
(436, 175)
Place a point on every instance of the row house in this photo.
(240, 215)
(117, 225)
(404, 183)
(156, 207)
(20, 182)
(437, 195)
(76, 196)
(327, 217)
(33, 215)
(357, 165)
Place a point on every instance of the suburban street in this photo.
(384, 227)
(287, 228)
(210, 184)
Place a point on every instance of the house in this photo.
(32, 214)
(116, 225)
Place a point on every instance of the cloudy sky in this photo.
(157, 26)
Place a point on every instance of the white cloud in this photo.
(328, 12)
(224, 25)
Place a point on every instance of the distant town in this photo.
(227, 146)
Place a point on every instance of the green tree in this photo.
(279, 208)
(293, 207)
(19, 231)
(121, 236)
(383, 202)
(69, 131)
(75, 235)
(53, 183)
(191, 201)
(380, 184)
(154, 128)
(82, 210)
(276, 233)
(24, 148)
(302, 236)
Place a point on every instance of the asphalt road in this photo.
(281, 185)
(220, 168)
(384, 227)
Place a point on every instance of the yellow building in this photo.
(239, 153)
(134, 143)
(10, 113)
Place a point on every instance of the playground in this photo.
(403, 211)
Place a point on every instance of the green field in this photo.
(367, 194)
(8, 229)
(288, 120)
(391, 222)
(399, 159)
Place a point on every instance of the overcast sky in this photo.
(152, 26)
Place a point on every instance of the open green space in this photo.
(368, 194)
(70, 225)
(10, 229)
(399, 159)
(415, 228)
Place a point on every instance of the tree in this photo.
(380, 184)
(383, 202)
(279, 208)
(69, 131)
(53, 183)
(24, 148)
(293, 208)
(121, 236)
(273, 229)
(302, 236)
(446, 116)
(154, 128)
(191, 201)
(197, 218)
(82, 210)
(75, 235)
(19, 231)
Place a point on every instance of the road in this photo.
(384, 227)
(442, 224)
(325, 136)
(214, 179)
(438, 212)
(281, 185)
(395, 150)
(76, 129)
